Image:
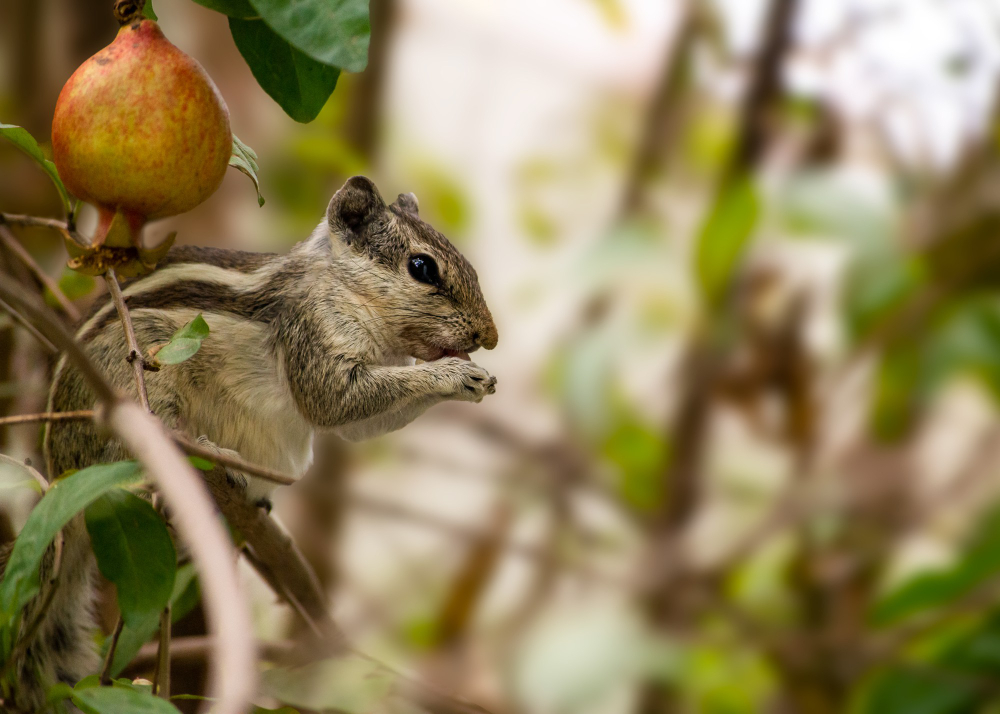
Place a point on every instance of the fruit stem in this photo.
(128, 10)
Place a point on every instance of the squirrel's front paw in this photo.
(469, 382)
(234, 477)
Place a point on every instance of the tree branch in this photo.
(23, 322)
(15, 247)
(134, 357)
(109, 658)
(48, 416)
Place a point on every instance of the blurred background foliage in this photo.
(744, 260)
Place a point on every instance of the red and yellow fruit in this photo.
(141, 131)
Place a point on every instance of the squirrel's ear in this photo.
(355, 204)
(408, 202)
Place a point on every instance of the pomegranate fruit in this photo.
(141, 131)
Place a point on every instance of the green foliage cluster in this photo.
(296, 50)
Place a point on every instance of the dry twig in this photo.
(12, 244)
(47, 416)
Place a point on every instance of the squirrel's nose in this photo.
(486, 337)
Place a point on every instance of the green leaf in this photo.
(724, 236)
(334, 32)
(134, 635)
(347, 684)
(196, 329)
(255, 710)
(244, 159)
(640, 454)
(979, 561)
(148, 12)
(232, 8)
(951, 682)
(878, 285)
(134, 551)
(902, 387)
(64, 499)
(26, 143)
(184, 343)
(200, 463)
(16, 474)
(299, 84)
(117, 700)
(901, 691)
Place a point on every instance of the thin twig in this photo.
(161, 677)
(23, 322)
(278, 586)
(19, 220)
(48, 416)
(232, 462)
(134, 357)
(196, 648)
(15, 247)
(109, 658)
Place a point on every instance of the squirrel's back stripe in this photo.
(212, 279)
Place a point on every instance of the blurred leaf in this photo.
(901, 691)
(334, 32)
(200, 463)
(17, 474)
(612, 13)
(959, 337)
(232, 8)
(184, 343)
(724, 235)
(134, 551)
(75, 285)
(327, 151)
(421, 633)
(444, 201)
(727, 680)
(978, 562)
(299, 84)
(576, 659)
(350, 684)
(707, 143)
(26, 143)
(837, 204)
(118, 700)
(64, 499)
(968, 341)
(877, 286)
(184, 597)
(641, 454)
(955, 681)
(902, 386)
(148, 12)
(538, 225)
(244, 159)
(72, 284)
(255, 710)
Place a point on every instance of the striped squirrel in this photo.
(323, 337)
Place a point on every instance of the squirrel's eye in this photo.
(424, 269)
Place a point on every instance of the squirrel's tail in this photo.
(58, 625)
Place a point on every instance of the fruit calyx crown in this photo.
(128, 10)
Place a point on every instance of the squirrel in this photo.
(325, 337)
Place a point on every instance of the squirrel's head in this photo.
(417, 281)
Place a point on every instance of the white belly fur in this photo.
(249, 407)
